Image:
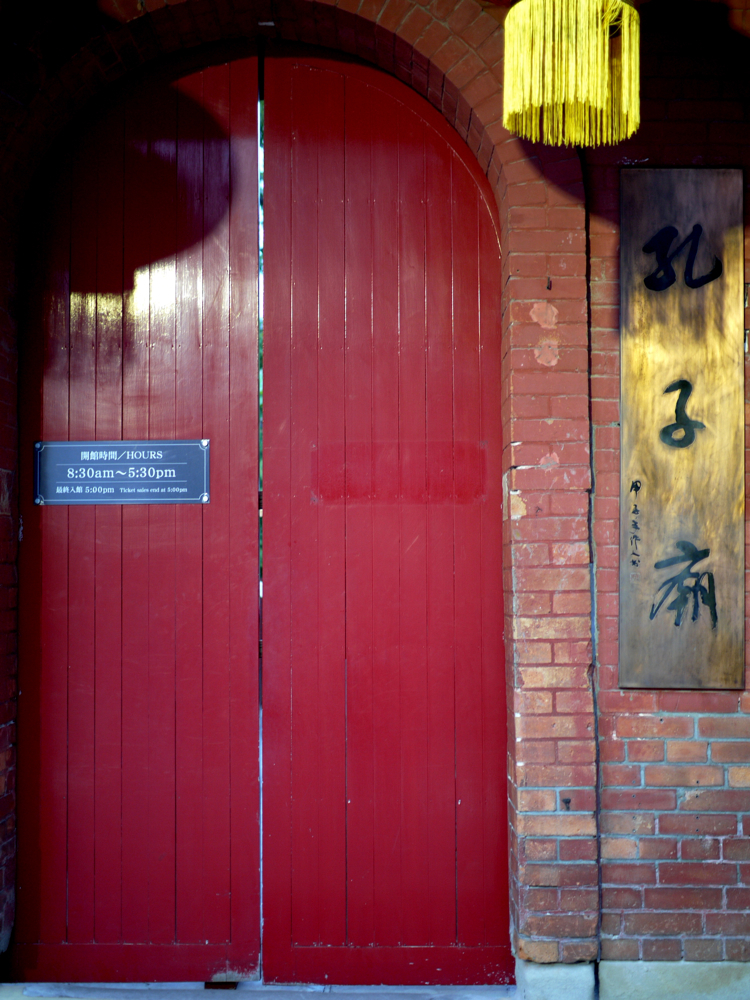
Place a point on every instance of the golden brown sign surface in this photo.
(682, 417)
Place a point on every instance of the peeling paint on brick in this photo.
(545, 314)
(547, 353)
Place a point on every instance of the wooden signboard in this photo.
(682, 416)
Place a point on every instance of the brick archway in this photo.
(452, 55)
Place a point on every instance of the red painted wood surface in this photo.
(138, 754)
(385, 844)
(383, 686)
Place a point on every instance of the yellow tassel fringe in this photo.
(572, 71)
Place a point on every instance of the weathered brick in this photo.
(548, 775)
(657, 849)
(533, 702)
(540, 850)
(628, 823)
(537, 800)
(730, 753)
(563, 925)
(737, 950)
(645, 750)
(580, 951)
(725, 727)
(577, 799)
(728, 924)
(557, 825)
(672, 776)
(576, 751)
(661, 924)
(662, 950)
(737, 899)
(559, 726)
(715, 800)
(697, 825)
(687, 751)
(698, 701)
(536, 951)
(621, 774)
(536, 751)
(619, 847)
(628, 874)
(654, 726)
(578, 849)
(620, 949)
(694, 873)
(637, 799)
(736, 850)
(621, 899)
(700, 849)
(558, 875)
(703, 950)
(549, 677)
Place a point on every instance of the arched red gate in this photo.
(381, 678)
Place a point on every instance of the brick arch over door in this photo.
(452, 54)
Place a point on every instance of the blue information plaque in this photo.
(118, 472)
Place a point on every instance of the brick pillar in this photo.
(551, 730)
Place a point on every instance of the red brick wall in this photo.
(548, 586)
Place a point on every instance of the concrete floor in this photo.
(187, 991)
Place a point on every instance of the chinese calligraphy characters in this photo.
(681, 433)
(687, 585)
(664, 275)
(681, 530)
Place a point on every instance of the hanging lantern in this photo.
(571, 71)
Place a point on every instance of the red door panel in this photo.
(383, 679)
(138, 735)
(383, 685)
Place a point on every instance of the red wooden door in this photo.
(385, 852)
(138, 736)
(385, 842)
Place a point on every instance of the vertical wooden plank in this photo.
(306, 461)
(360, 108)
(189, 846)
(386, 540)
(135, 551)
(243, 518)
(43, 558)
(160, 845)
(53, 530)
(413, 514)
(277, 841)
(495, 873)
(441, 721)
(216, 537)
(469, 806)
(331, 507)
(81, 533)
(108, 600)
